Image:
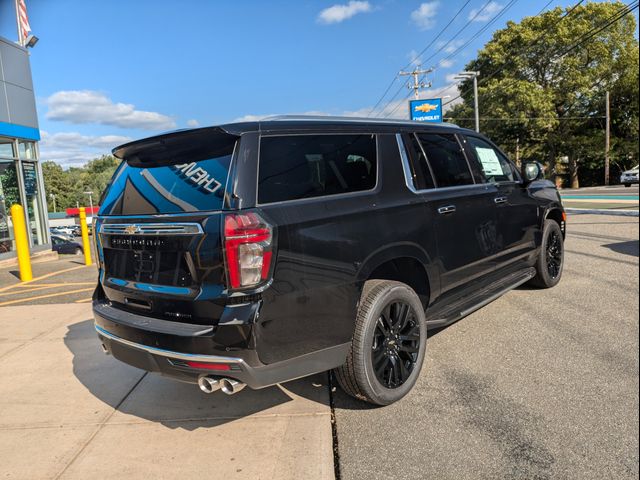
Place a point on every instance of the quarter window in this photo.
(306, 166)
(447, 160)
(420, 172)
(494, 165)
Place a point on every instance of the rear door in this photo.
(465, 222)
(517, 212)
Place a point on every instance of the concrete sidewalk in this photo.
(69, 411)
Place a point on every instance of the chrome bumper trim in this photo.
(169, 353)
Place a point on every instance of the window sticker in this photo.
(490, 161)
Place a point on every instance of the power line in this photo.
(419, 55)
(478, 12)
(535, 42)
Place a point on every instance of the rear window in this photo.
(185, 187)
(306, 166)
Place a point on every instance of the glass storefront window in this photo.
(34, 206)
(6, 148)
(9, 195)
(27, 150)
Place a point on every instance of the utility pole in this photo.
(417, 85)
(518, 151)
(474, 76)
(606, 139)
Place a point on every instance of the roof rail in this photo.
(325, 118)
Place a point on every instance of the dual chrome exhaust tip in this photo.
(211, 384)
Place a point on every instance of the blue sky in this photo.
(108, 71)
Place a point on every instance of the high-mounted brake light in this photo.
(247, 244)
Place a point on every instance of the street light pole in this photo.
(474, 76)
(53, 198)
(90, 201)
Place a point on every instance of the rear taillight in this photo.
(248, 243)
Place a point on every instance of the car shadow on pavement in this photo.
(181, 405)
(630, 247)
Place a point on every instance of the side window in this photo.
(447, 160)
(305, 166)
(495, 166)
(419, 167)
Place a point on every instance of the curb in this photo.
(619, 213)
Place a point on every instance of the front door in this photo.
(517, 213)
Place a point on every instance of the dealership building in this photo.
(20, 171)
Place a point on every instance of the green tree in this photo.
(542, 88)
(69, 185)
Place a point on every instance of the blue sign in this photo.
(427, 110)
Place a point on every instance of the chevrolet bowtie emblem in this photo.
(132, 229)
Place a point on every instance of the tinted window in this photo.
(305, 166)
(419, 168)
(185, 187)
(494, 165)
(447, 160)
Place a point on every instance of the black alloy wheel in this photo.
(396, 342)
(550, 262)
(554, 254)
(388, 345)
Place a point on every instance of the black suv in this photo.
(256, 253)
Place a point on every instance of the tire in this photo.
(550, 261)
(380, 303)
(627, 185)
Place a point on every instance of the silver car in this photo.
(629, 177)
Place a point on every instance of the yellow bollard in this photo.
(22, 242)
(85, 237)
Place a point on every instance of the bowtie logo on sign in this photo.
(198, 176)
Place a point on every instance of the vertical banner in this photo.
(426, 110)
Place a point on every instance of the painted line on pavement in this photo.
(42, 277)
(603, 211)
(84, 300)
(20, 300)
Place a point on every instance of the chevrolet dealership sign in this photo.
(427, 110)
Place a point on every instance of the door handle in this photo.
(446, 210)
(499, 200)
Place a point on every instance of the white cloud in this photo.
(339, 13)
(487, 12)
(412, 56)
(193, 123)
(424, 16)
(88, 106)
(444, 63)
(451, 46)
(74, 149)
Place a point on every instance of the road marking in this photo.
(20, 300)
(35, 288)
(84, 300)
(42, 277)
(55, 284)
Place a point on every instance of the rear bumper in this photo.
(242, 365)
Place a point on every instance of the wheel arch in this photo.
(406, 263)
(558, 215)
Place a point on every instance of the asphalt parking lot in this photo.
(538, 384)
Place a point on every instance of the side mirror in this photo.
(532, 171)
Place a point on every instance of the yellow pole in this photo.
(22, 242)
(85, 237)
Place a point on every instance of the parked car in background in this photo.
(629, 177)
(260, 252)
(65, 246)
(61, 233)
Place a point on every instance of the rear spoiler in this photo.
(182, 146)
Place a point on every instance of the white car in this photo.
(629, 177)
